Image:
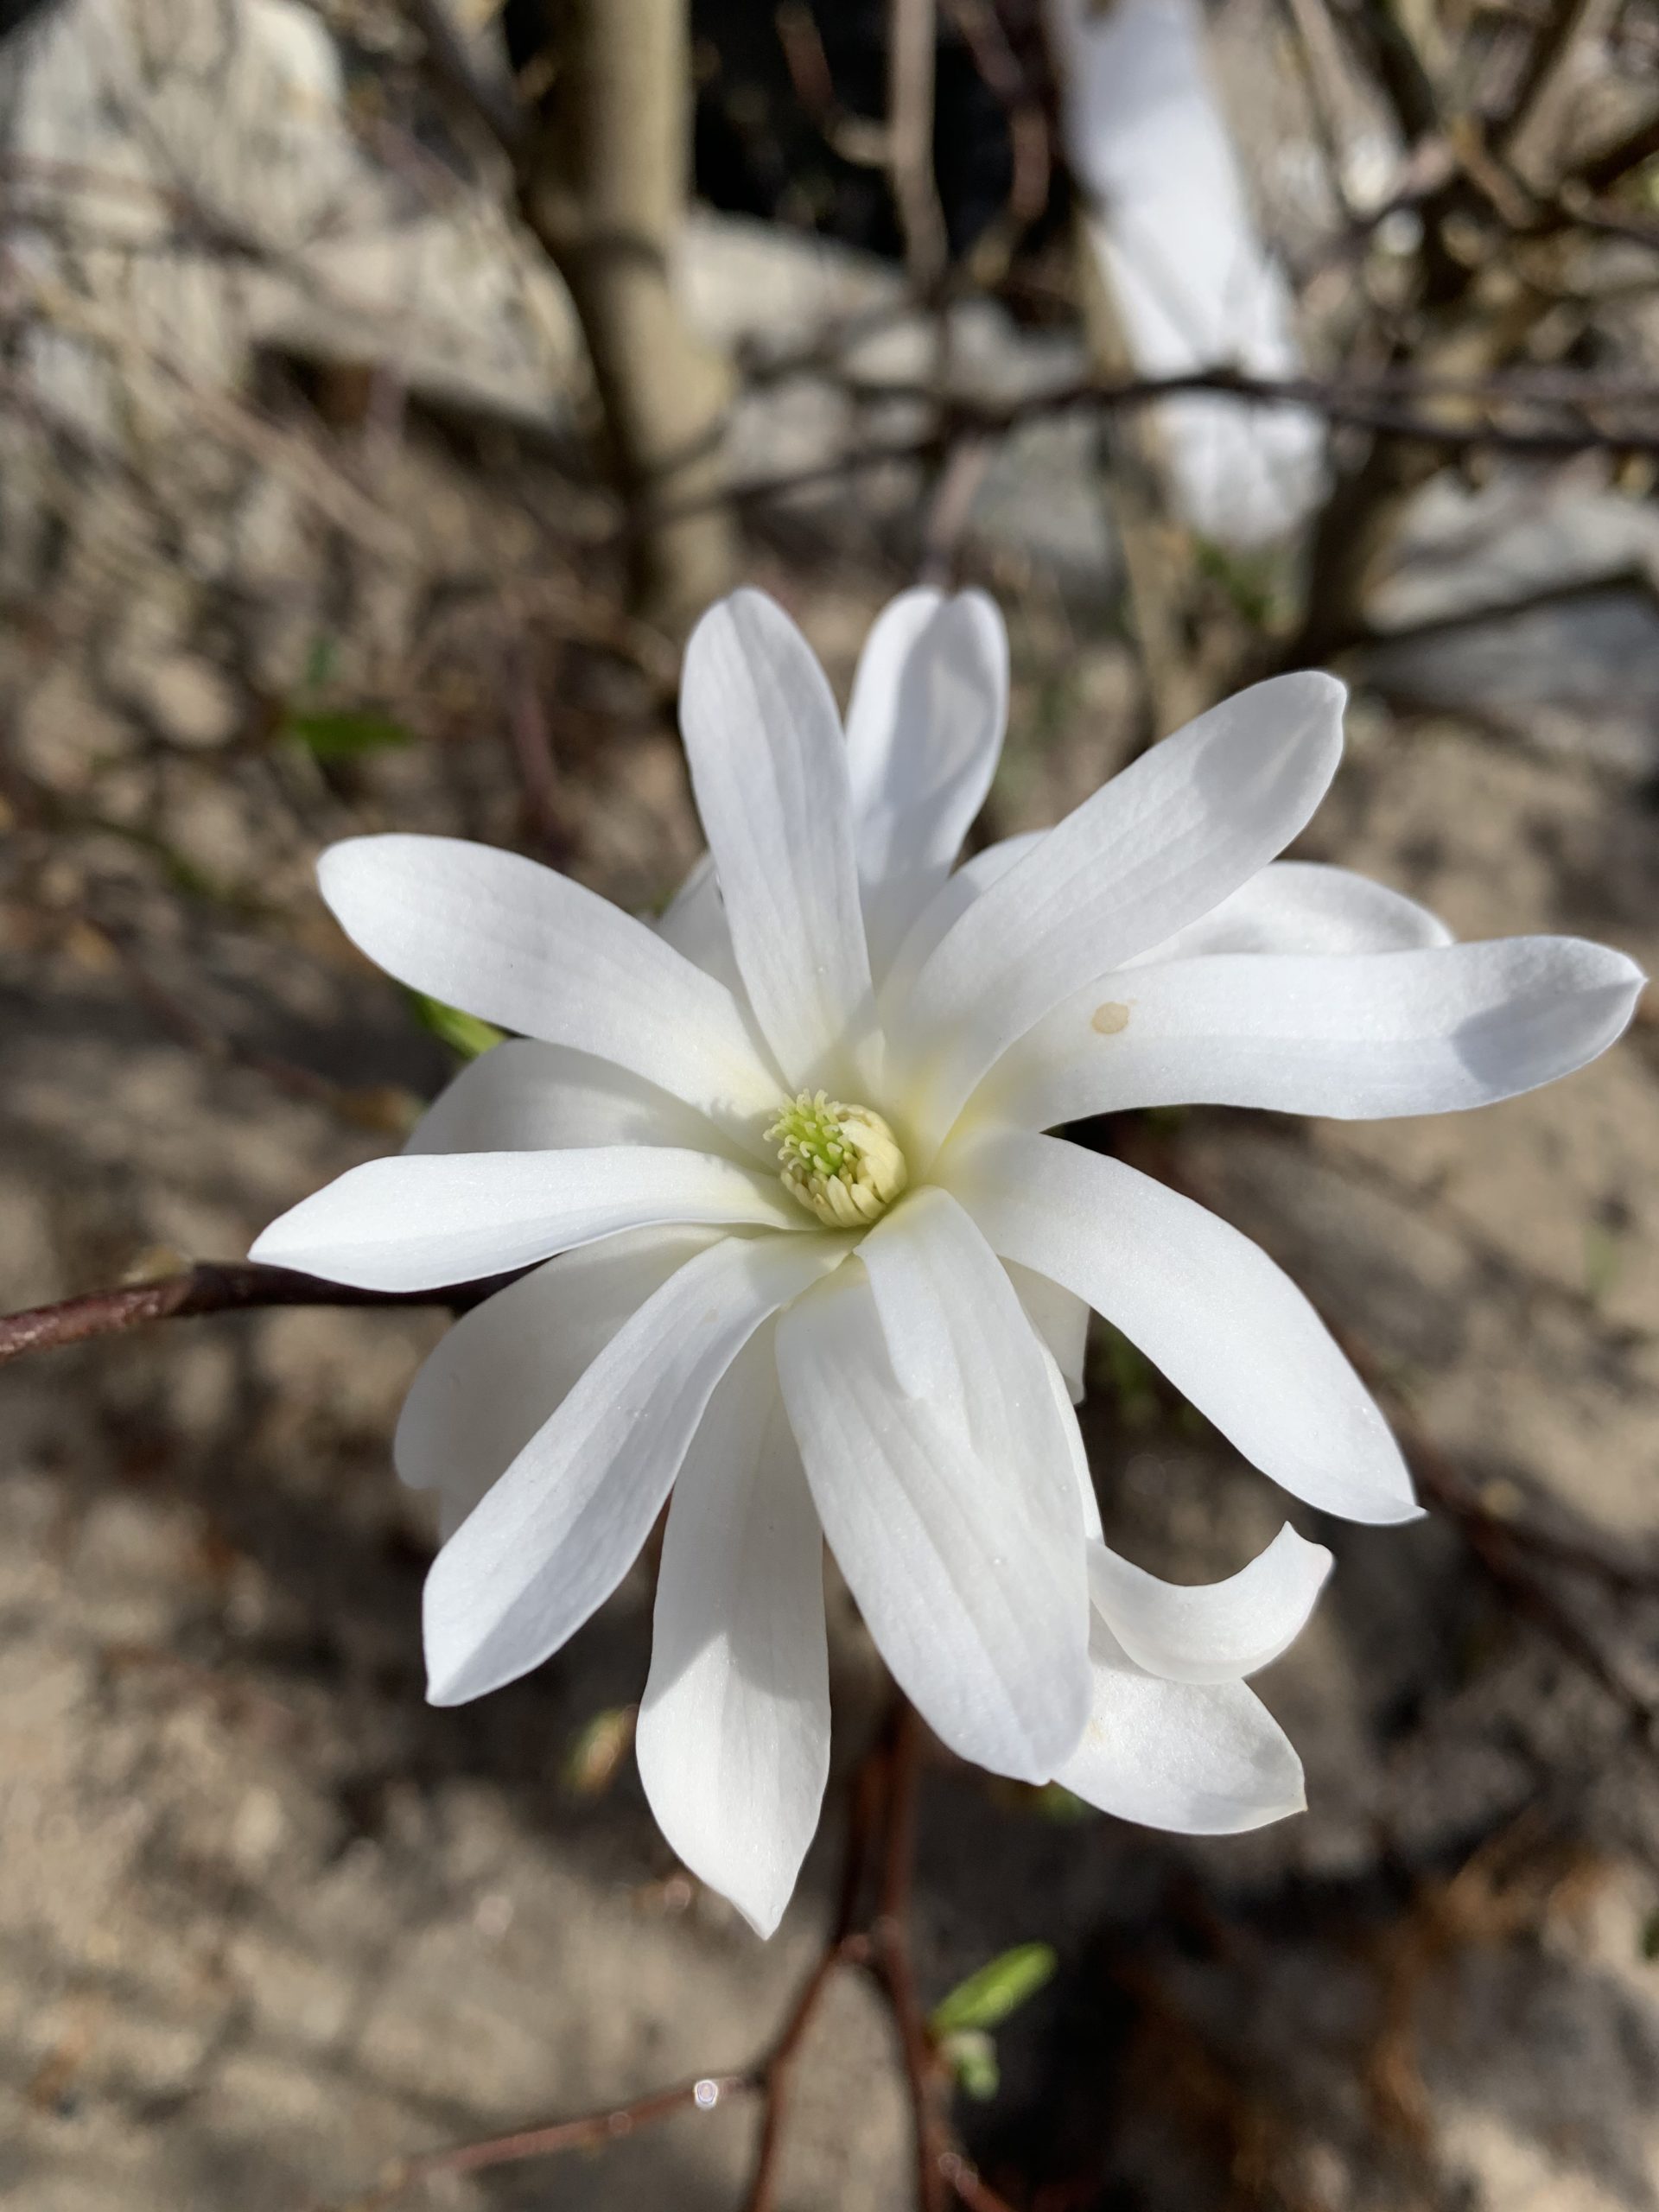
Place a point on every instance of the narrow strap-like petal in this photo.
(960, 1341)
(1306, 906)
(518, 945)
(693, 923)
(505, 1368)
(929, 705)
(733, 1735)
(769, 770)
(970, 1576)
(1211, 1632)
(523, 1095)
(556, 1534)
(1199, 1758)
(1357, 1038)
(1288, 906)
(1229, 1328)
(1060, 1319)
(1158, 846)
(422, 1221)
(949, 903)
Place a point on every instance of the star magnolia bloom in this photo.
(800, 1254)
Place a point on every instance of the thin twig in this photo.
(844, 1947)
(1370, 406)
(210, 1287)
(591, 2131)
(913, 39)
(892, 1960)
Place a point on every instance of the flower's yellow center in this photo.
(842, 1163)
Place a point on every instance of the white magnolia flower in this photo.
(818, 1272)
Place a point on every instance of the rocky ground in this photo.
(267, 1921)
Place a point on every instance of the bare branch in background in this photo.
(603, 174)
(1526, 141)
(1157, 560)
(606, 179)
(912, 51)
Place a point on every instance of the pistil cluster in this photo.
(842, 1163)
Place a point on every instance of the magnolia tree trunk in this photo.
(606, 184)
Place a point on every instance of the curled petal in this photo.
(1211, 1632)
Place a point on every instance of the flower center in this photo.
(842, 1163)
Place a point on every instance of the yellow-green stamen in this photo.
(842, 1163)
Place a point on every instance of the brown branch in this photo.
(1523, 140)
(912, 38)
(604, 187)
(210, 1287)
(854, 138)
(601, 180)
(1357, 404)
(843, 1948)
(1611, 164)
(590, 2132)
(1030, 154)
(892, 1960)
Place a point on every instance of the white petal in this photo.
(552, 1539)
(1211, 1632)
(1361, 1037)
(512, 942)
(929, 707)
(693, 923)
(1158, 846)
(951, 901)
(504, 1368)
(769, 769)
(960, 1341)
(523, 1095)
(1199, 1759)
(1303, 906)
(969, 1577)
(1229, 1328)
(1060, 1319)
(733, 1736)
(431, 1218)
(1081, 1473)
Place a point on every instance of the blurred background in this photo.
(384, 384)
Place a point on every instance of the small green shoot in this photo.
(972, 2056)
(987, 1997)
(464, 1033)
(344, 736)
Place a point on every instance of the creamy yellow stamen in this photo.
(842, 1163)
